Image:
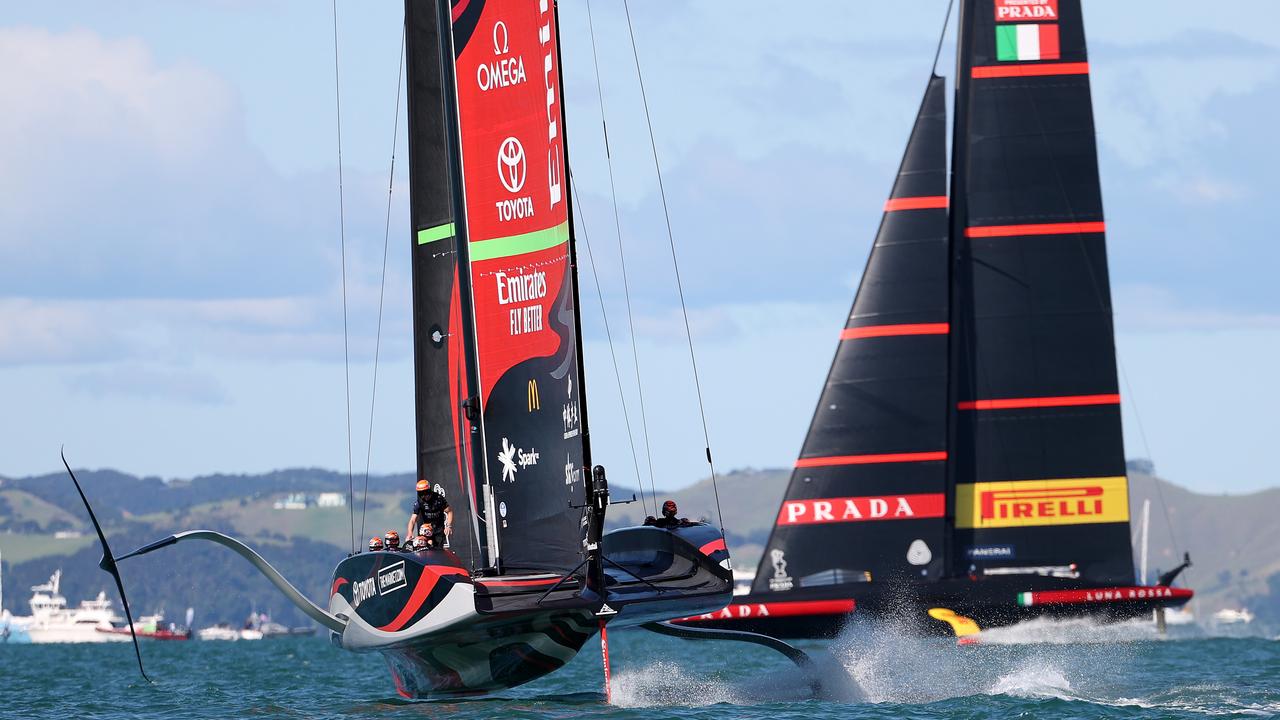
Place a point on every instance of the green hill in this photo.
(1232, 538)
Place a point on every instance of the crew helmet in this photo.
(669, 509)
(375, 543)
(392, 539)
(424, 485)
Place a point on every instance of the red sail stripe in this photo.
(460, 8)
(426, 583)
(1039, 402)
(871, 459)
(1038, 70)
(713, 546)
(872, 331)
(928, 202)
(985, 231)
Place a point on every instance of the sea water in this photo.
(1038, 670)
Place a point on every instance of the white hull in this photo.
(72, 633)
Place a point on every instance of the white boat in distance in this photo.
(51, 621)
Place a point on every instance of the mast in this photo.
(472, 404)
(955, 269)
(573, 269)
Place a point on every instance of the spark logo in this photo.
(1026, 503)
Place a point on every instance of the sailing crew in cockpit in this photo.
(431, 509)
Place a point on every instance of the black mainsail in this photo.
(1038, 457)
(967, 451)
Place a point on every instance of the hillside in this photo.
(1232, 539)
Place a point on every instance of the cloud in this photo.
(1149, 308)
(91, 332)
(152, 384)
(124, 177)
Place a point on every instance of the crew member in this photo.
(391, 540)
(668, 519)
(375, 543)
(430, 509)
(422, 542)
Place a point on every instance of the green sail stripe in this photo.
(439, 232)
(520, 244)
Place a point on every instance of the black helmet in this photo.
(669, 509)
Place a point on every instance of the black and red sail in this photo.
(499, 380)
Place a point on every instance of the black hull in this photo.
(446, 633)
(990, 604)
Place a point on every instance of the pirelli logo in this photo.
(1026, 503)
(535, 402)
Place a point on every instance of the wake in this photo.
(1072, 660)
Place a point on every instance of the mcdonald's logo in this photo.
(535, 402)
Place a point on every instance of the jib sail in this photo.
(514, 420)
(1037, 451)
(867, 497)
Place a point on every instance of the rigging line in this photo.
(622, 397)
(942, 36)
(386, 235)
(626, 286)
(675, 265)
(1146, 447)
(1106, 306)
(342, 234)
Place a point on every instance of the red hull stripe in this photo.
(740, 611)
(1041, 402)
(987, 231)
(1040, 70)
(426, 583)
(871, 459)
(928, 202)
(516, 583)
(1104, 595)
(336, 585)
(874, 331)
(713, 546)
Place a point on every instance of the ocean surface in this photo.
(1040, 670)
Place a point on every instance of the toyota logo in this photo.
(511, 164)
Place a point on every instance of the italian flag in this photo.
(1027, 42)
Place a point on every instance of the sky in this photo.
(171, 297)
